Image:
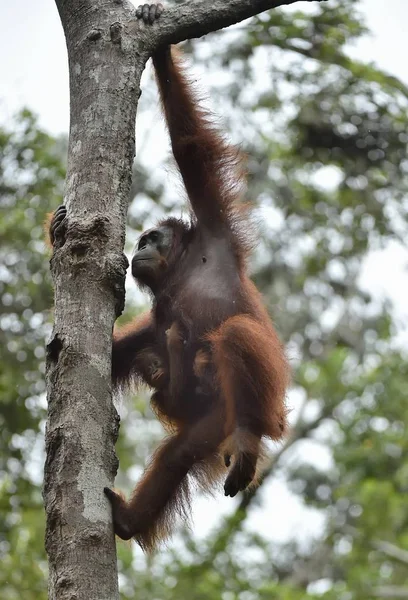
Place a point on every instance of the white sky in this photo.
(34, 73)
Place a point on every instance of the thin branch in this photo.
(390, 591)
(392, 551)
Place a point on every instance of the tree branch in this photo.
(392, 551)
(390, 591)
(195, 19)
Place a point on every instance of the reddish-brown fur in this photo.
(232, 374)
(222, 373)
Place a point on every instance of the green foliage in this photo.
(327, 160)
(31, 179)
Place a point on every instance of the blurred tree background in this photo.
(326, 138)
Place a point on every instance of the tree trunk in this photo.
(88, 271)
(107, 51)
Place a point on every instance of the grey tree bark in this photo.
(107, 51)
